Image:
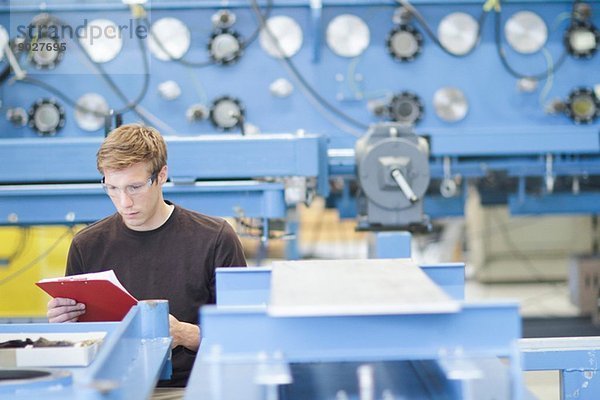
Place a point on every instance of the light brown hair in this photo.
(130, 144)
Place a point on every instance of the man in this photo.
(157, 249)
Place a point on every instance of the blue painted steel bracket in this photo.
(462, 346)
(69, 204)
(492, 141)
(557, 203)
(196, 158)
(576, 358)
(571, 353)
(382, 337)
(390, 245)
(251, 286)
(348, 339)
(127, 366)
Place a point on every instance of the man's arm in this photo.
(228, 248)
(184, 334)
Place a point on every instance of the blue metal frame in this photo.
(576, 359)
(347, 339)
(251, 286)
(65, 160)
(390, 245)
(127, 366)
(70, 204)
(505, 131)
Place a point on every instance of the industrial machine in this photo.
(133, 355)
(375, 354)
(390, 109)
(393, 171)
(385, 356)
(502, 92)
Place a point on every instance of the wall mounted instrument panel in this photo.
(506, 93)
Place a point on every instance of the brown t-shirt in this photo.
(176, 262)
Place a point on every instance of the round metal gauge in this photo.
(225, 46)
(44, 49)
(526, 32)
(223, 19)
(46, 52)
(17, 116)
(404, 43)
(458, 33)
(581, 39)
(44, 22)
(91, 111)
(226, 113)
(102, 40)
(406, 108)
(583, 106)
(46, 117)
(348, 35)
(196, 112)
(169, 39)
(450, 104)
(283, 37)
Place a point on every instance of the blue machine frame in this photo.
(576, 359)
(23, 200)
(506, 136)
(461, 343)
(133, 356)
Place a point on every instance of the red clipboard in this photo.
(104, 300)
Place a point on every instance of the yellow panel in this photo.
(26, 256)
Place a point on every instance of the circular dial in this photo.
(102, 40)
(46, 52)
(225, 46)
(282, 37)
(47, 117)
(90, 112)
(348, 35)
(169, 39)
(223, 19)
(581, 39)
(458, 33)
(196, 112)
(583, 106)
(17, 116)
(226, 113)
(526, 32)
(404, 43)
(406, 108)
(450, 104)
(416, 172)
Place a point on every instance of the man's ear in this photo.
(163, 174)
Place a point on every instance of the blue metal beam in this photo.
(127, 365)
(252, 286)
(576, 358)
(190, 158)
(376, 337)
(68, 204)
(559, 203)
(498, 141)
(572, 353)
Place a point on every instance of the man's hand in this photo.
(64, 310)
(184, 334)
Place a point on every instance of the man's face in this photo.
(138, 200)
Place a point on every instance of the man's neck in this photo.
(164, 213)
